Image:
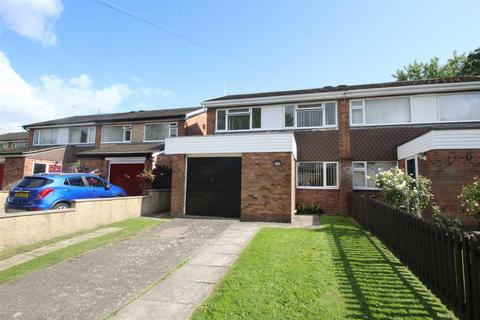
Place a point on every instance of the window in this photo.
(173, 127)
(156, 132)
(33, 182)
(364, 171)
(311, 115)
(317, 175)
(458, 107)
(39, 168)
(412, 167)
(117, 133)
(380, 111)
(81, 135)
(18, 145)
(239, 119)
(3, 145)
(45, 136)
(76, 182)
(95, 182)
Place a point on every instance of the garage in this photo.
(214, 186)
(125, 176)
(2, 167)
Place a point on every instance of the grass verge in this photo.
(129, 227)
(336, 272)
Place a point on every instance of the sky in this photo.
(60, 58)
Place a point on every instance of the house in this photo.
(8, 142)
(118, 146)
(264, 154)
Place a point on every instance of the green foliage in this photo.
(309, 208)
(400, 190)
(470, 199)
(457, 65)
(442, 219)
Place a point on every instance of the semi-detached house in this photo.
(266, 153)
(118, 146)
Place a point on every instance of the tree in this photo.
(458, 65)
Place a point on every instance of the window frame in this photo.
(324, 118)
(123, 133)
(228, 111)
(39, 162)
(170, 125)
(365, 168)
(37, 135)
(324, 173)
(362, 107)
(94, 133)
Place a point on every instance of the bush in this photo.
(470, 199)
(309, 208)
(442, 219)
(400, 190)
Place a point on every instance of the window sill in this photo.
(318, 188)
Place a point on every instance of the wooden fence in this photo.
(447, 262)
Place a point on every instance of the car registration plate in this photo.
(21, 194)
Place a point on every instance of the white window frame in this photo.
(94, 133)
(362, 107)
(324, 170)
(416, 167)
(46, 166)
(38, 132)
(365, 165)
(324, 119)
(229, 111)
(123, 134)
(171, 125)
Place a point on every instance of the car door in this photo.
(98, 187)
(77, 188)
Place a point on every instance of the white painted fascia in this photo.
(440, 140)
(115, 160)
(196, 112)
(84, 124)
(359, 93)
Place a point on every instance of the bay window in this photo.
(117, 134)
(239, 119)
(45, 136)
(159, 131)
(314, 174)
(311, 115)
(79, 135)
(364, 172)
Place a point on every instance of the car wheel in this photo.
(60, 206)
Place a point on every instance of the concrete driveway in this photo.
(94, 285)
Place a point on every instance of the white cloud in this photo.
(33, 19)
(53, 97)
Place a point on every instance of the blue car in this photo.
(58, 190)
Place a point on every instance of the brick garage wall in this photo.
(13, 171)
(449, 171)
(211, 114)
(178, 185)
(266, 189)
(197, 125)
(165, 160)
(96, 163)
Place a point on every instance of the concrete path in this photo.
(30, 255)
(178, 296)
(94, 285)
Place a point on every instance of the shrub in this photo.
(400, 190)
(309, 208)
(470, 199)
(442, 219)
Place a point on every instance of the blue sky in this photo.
(90, 57)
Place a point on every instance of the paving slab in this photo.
(99, 282)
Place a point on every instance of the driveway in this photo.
(94, 285)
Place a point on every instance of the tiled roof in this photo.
(178, 113)
(124, 148)
(346, 88)
(14, 136)
(26, 151)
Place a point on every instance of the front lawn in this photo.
(336, 272)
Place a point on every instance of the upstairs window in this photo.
(239, 119)
(117, 134)
(380, 111)
(160, 131)
(317, 175)
(18, 145)
(322, 114)
(459, 107)
(79, 135)
(365, 171)
(45, 136)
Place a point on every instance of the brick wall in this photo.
(266, 189)
(449, 170)
(165, 160)
(96, 163)
(178, 185)
(211, 115)
(13, 171)
(327, 200)
(197, 125)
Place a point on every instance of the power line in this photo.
(195, 42)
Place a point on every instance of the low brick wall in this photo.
(3, 198)
(25, 228)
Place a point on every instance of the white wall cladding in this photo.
(424, 109)
(272, 117)
(440, 140)
(232, 143)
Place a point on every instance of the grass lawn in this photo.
(129, 227)
(336, 272)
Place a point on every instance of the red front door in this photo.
(2, 167)
(125, 176)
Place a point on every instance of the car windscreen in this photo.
(33, 182)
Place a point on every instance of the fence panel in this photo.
(447, 262)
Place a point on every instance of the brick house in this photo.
(266, 153)
(118, 145)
